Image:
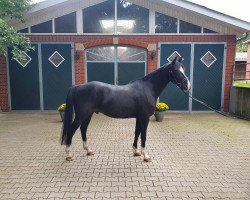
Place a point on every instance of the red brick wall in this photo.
(136, 40)
(3, 85)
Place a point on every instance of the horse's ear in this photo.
(180, 59)
(174, 61)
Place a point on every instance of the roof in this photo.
(181, 9)
(211, 13)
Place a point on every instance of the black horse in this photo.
(134, 100)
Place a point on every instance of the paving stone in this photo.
(195, 156)
(56, 195)
(43, 195)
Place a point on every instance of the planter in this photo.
(62, 115)
(159, 116)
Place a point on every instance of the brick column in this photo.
(3, 85)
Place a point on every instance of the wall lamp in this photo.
(153, 54)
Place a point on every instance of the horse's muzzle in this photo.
(186, 85)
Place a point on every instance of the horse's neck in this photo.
(158, 81)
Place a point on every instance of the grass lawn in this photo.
(242, 84)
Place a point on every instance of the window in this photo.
(25, 30)
(165, 24)
(132, 18)
(205, 30)
(119, 53)
(130, 54)
(186, 27)
(45, 27)
(99, 18)
(66, 23)
(106, 53)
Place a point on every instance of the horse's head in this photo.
(177, 75)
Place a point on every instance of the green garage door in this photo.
(56, 74)
(24, 82)
(172, 95)
(207, 75)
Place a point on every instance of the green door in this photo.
(207, 75)
(103, 72)
(56, 73)
(128, 72)
(117, 65)
(172, 95)
(24, 82)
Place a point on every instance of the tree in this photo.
(241, 46)
(9, 37)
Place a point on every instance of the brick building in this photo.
(118, 41)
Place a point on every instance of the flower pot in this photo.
(62, 114)
(159, 116)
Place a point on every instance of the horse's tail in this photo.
(68, 115)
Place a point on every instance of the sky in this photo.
(235, 8)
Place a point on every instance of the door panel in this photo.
(56, 73)
(172, 95)
(24, 82)
(208, 71)
(103, 72)
(128, 72)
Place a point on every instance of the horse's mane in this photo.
(152, 74)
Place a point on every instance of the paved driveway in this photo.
(195, 156)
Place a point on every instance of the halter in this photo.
(174, 79)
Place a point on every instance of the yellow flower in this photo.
(160, 107)
(62, 107)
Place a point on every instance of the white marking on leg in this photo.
(147, 158)
(89, 151)
(136, 152)
(68, 151)
(69, 155)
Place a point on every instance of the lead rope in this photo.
(208, 106)
(215, 110)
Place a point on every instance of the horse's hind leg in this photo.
(84, 128)
(144, 126)
(137, 134)
(75, 125)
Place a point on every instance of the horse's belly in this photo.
(119, 109)
(119, 113)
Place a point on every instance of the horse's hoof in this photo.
(148, 159)
(70, 158)
(137, 153)
(90, 153)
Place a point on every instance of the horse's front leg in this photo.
(69, 155)
(84, 128)
(144, 126)
(137, 134)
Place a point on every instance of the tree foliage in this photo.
(241, 46)
(9, 37)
